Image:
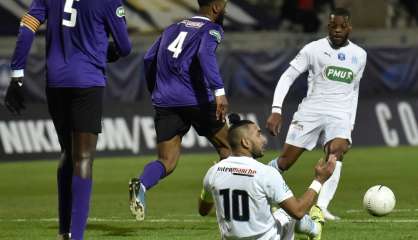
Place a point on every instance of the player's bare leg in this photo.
(220, 142)
(168, 155)
(83, 152)
(337, 147)
(290, 154)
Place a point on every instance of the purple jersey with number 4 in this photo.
(77, 36)
(181, 66)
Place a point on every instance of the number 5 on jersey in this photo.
(176, 47)
(68, 8)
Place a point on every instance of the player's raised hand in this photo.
(221, 107)
(274, 123)
(14, 99)
(324, 170)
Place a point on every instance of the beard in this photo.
(257, 153)
(220, 19)
(340, 43)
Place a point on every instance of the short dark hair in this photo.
(344, 12)
(236, 124)
(203, 3)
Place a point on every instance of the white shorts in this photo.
(309, 129)
(279, 232)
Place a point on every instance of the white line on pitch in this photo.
(122, 220)
(377, 221)
(394, 210)
(210, 220)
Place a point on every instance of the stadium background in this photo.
(261, 37)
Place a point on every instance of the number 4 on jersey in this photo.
(176, 46)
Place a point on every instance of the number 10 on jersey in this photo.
(239, 202)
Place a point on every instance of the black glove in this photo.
(112, 53)
(14, 100)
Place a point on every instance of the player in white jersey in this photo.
(244, 191)
(327, 113)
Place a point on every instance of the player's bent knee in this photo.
(338, 151)
(83, 164)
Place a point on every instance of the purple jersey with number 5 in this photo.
(77, 36)
(181, 66)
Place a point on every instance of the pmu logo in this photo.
(339, 74)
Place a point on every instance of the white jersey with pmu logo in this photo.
(334, 77)
(243, 190)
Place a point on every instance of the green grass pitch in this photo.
(28, 200)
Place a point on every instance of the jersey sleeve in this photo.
(29, 24)
(356, 91)
(275, 187)
(282, 88)
(302, 61)
(114, 15)
(211, 38)
(206, 192)
(150, 64)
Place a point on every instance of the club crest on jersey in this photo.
(339, 74)
(341, 56)
(120, 12)
(216, 34)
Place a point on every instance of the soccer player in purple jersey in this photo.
(187, 90)
(77, 49)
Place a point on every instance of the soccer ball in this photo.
(379, 200)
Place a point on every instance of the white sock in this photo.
(330, 187)
(286, 223)
(143, 188)
(307, 226)
(282, 217)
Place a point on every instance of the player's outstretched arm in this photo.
(298, 207)
(274, 122)
(29, 25)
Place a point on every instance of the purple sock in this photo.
(80, 207)
(153, 172)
